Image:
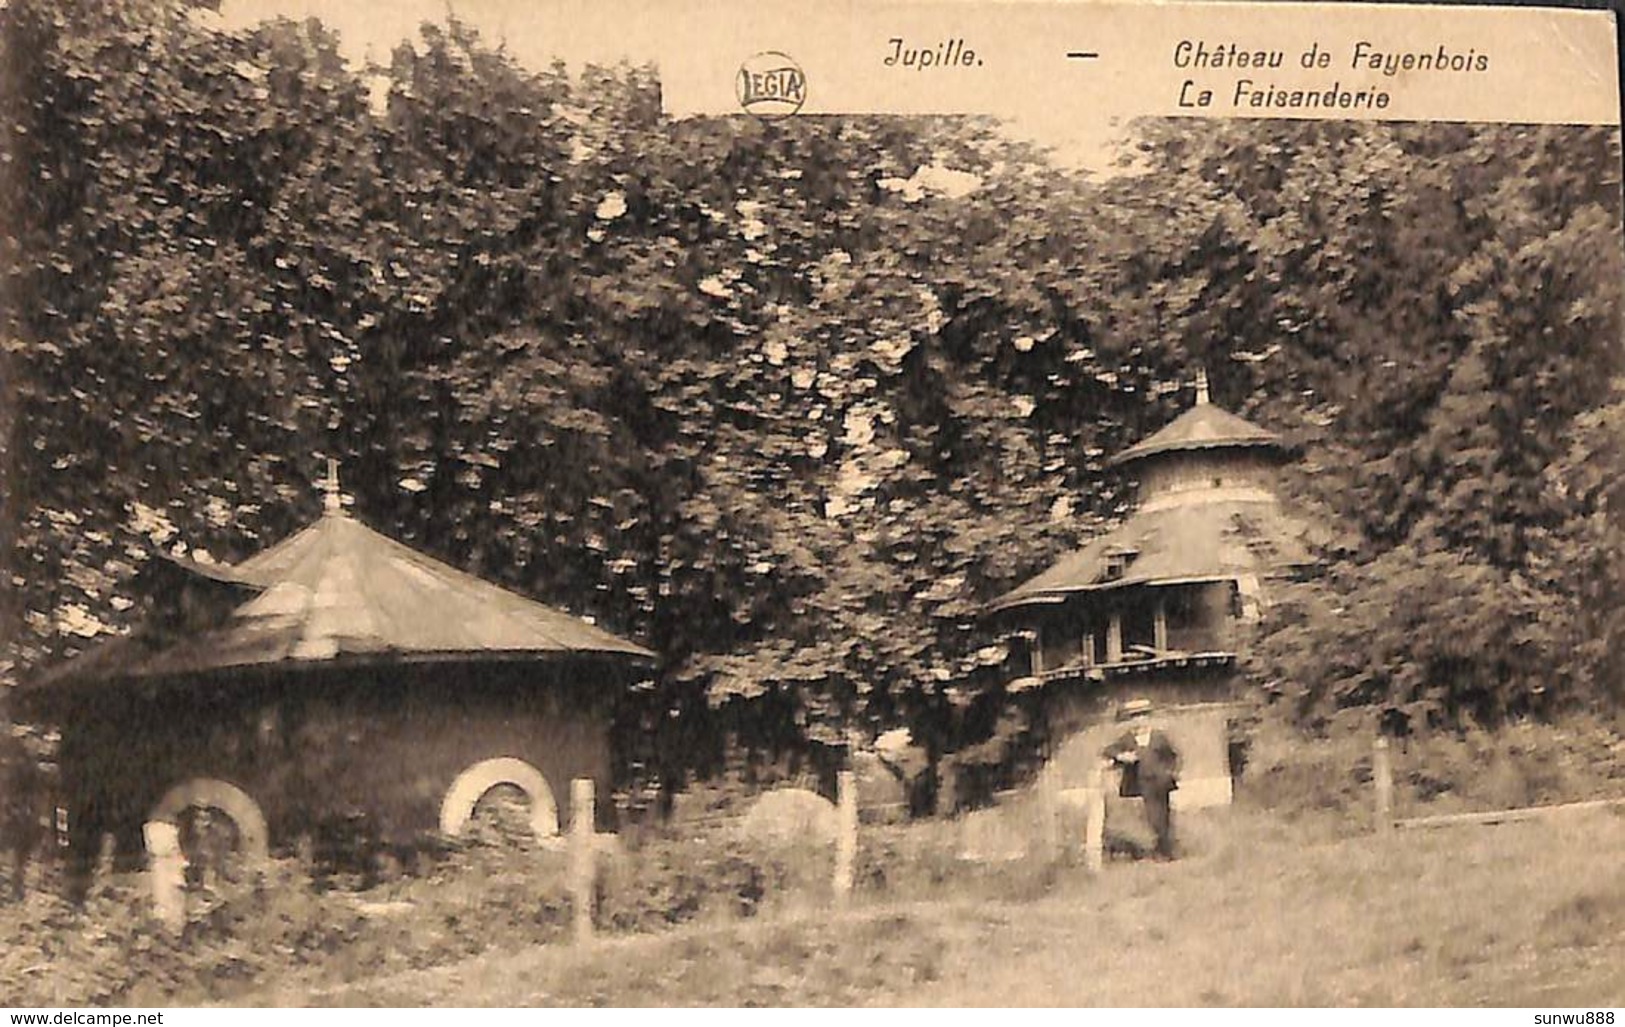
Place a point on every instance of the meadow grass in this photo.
(1261, 912)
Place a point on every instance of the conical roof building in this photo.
(1207, 512)
(1153, 607)
(337, 677)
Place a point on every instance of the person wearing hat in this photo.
(1150, 766)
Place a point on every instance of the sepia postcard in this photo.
(914, 503)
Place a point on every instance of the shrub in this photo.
(1522, 763)
(278, 926)
(675, 875)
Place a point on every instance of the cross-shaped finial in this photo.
(1201, 386)
(333, 501)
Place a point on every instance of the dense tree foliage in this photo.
(789, 400)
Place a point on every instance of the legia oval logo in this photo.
(771, 85)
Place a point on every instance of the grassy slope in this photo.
(1259, 914)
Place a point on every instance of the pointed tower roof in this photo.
(1203, 426)
(1224, 536)
(338, 590)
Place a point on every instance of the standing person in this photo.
(1150, 770)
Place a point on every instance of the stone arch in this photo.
(253, 836)
(472, 784)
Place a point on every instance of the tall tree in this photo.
(789, 399)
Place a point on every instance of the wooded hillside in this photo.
(788, 400)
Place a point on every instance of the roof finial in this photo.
(333, 502)
(1201, 386)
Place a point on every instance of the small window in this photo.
(1117, 560)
